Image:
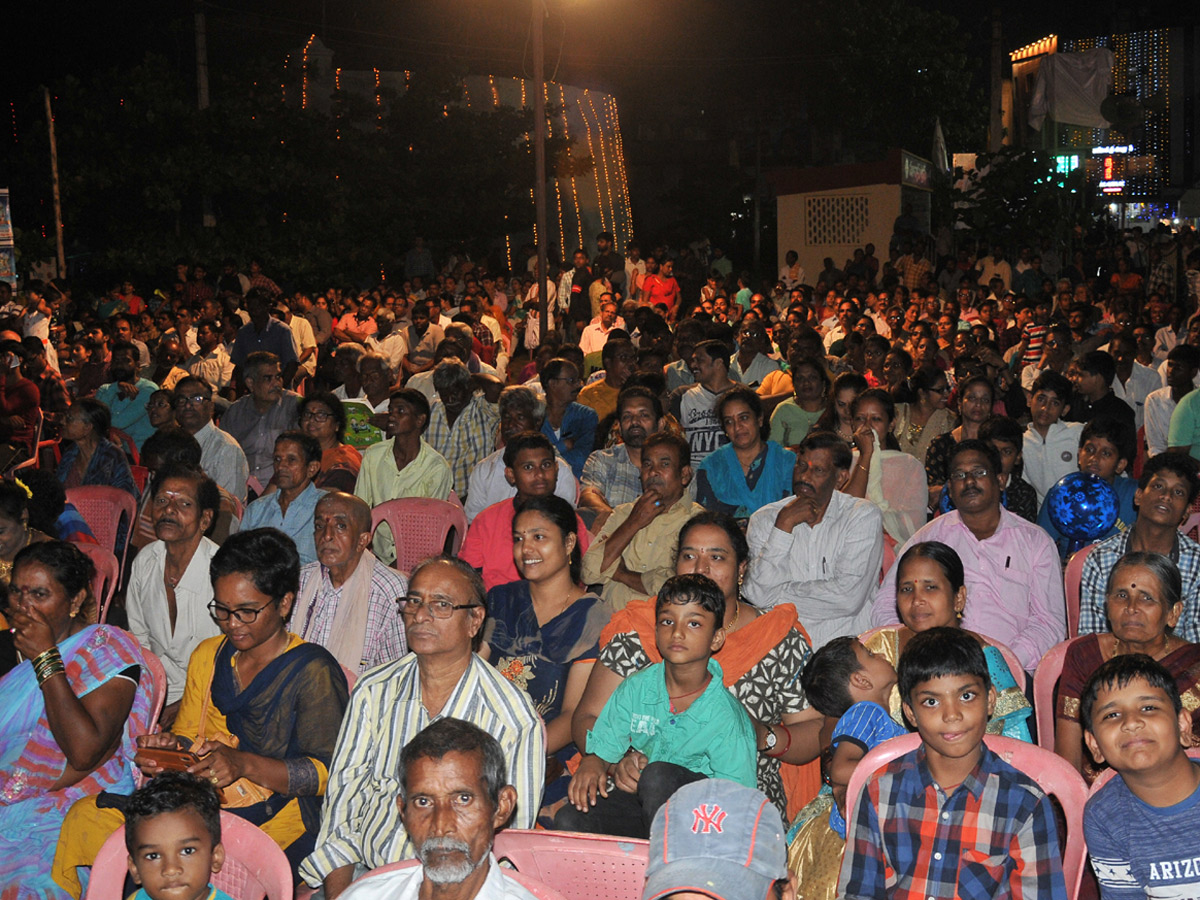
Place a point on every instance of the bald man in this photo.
(347, 599)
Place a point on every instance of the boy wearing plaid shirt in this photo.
(951, 819)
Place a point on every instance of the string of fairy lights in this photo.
(576, 109)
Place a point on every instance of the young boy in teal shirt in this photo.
(672, 723)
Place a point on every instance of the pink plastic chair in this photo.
(141, 475)
(1054, 775)
(537, 888)
(158, 680)
(125, 442)
(1045, 678)
(1014, 662)
(421, 527)
(1072, 581)
(103, 508)
(254, 867)
(108, 574)
(579, 866)
(889, 556)
(351, 677)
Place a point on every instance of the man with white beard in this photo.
(454, 796)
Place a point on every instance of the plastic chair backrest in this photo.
(351, 677)
(1108, 774)
(97, 503)
(1045, 678)
(125, 442)
(141, 475)
(579, 866)
(1014, 662)
(1073, 581)
(889, 555)
(421, 527)
(539, 889)
(254, 865)
(49, 447)
(158, 675)
(1053, 774)
(108, 574)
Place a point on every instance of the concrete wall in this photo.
(835, 223)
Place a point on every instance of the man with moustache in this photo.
(263, 414)
(1013, 575)
(452, 773)
(221, 456)
(169, 588)
(347, 598)
(821, 549)
(127, 394)
(613, 476)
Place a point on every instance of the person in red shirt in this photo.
(662, 287)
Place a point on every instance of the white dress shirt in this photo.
(1141, 383)
(487, 484)
(223, 460)
(405, 884)
(150, 619)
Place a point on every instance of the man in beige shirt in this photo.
(634, 553)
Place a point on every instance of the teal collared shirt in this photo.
(712, 737)
(296, 523)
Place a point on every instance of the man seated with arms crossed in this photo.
(613, 476)
(453, 797)
(632, 554)
(1141, 827)
(443, 677)
(950, 819)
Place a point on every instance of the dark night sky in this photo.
(625, 46)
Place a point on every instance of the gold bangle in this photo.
(864, 468)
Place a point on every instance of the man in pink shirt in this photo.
(358, 325)
(530, 466)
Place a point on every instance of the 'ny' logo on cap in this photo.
(706, 818)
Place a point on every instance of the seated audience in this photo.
(620, 362)
(169, 589)
(1166, 491)
(361, 826)
(795, 417)
(990, 811)
(1011, 567)
(819, 550)
(1050, 443)
(975, 397)
(92, 458)
(531, 466)
(647, 712)
(347, 597)
(265, 412)
(1144, 602)
(695, 406)
(322, 417)
(16, 532)
(126, 395)
(749, 472)
(613, 475)
(220, 455)
(924, 418)
(462, 421)
(1092, 375)
(1018, 495)
(1141, 826)
(69, 712)
(569, 424)
(631, 556)
(291, 504)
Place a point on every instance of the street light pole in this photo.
(539, 164)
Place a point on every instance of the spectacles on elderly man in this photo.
(439, 609)
(978, 473)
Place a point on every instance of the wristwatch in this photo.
(770, 741)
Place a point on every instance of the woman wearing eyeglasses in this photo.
(322, 417)
(919, 422)
(261, 708)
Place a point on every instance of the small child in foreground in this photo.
(173, 835)
(1143, 827)
(670, 724)
(950, 819)
(847, 682)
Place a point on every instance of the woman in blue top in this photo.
(571, 426)
(92, 458)
(749, 472)
(543, 631)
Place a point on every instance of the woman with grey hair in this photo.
(1143, 604)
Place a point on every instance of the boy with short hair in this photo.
(1005, 435)
(1107, 448)
(173, 835)
(1092, 376)
(672, 723)
(1050, 444)
(1141, 827)
(951, 818)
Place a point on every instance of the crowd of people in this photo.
(714, 535)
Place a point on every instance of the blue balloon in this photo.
(1082, 506)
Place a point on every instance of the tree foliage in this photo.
(321, 196)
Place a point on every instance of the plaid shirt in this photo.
(613, 475)
(385, 629)
(1093, 617)
(994, 836)
(468, 441)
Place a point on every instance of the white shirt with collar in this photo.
(487, 484)
(829, 571)
(1049, 458)
(1141, 383)
(302, 339)
(405, 884)
(393, 348)
(150, 619)
(223, 460)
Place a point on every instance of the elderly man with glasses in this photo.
(220, 455)
(1013, 576)
(361, 825)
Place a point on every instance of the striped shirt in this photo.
(465, 443)
(994, 836)
(360, 821)
(385, 629)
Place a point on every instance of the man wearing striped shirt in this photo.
(443, 676)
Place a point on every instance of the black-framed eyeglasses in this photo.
(977, 474)
(439, 609)
(196, 400)
(317, 416)
(244, 615)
